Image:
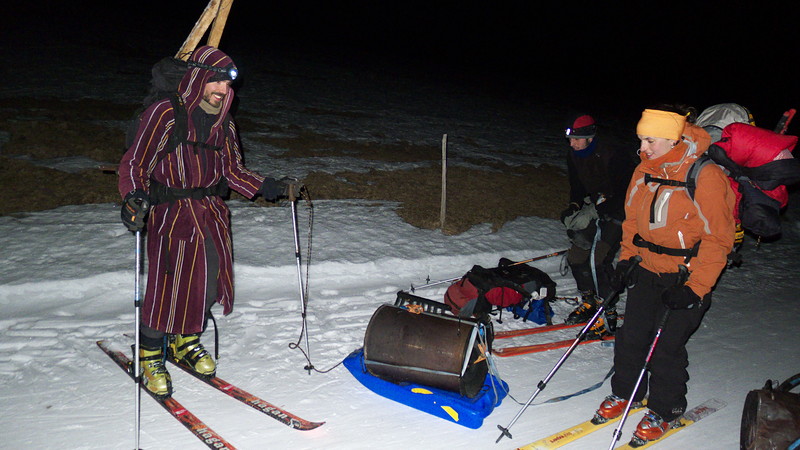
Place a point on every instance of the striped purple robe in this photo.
(177, 232)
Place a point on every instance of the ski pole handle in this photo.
(612, 299)
(683, 275)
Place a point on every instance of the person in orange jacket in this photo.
(667, 229)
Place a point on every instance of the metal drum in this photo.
(428, 349)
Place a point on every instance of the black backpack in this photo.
(510, 285)
(758, 212)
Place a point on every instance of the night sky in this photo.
(580, 53)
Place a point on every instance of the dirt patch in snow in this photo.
(33, 130)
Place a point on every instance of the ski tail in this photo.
(785, 120)
(251, 400)
(690, 417)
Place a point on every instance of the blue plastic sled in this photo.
(447, 405)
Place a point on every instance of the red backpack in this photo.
(481, 290)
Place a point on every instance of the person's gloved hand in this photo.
(621, 277)
(134, 209)
(680, 297)
(271, 189)
(571, 209)
(293, 187)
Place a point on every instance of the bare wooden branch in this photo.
(199, 30)
(219, 23)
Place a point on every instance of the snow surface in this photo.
(67, 281)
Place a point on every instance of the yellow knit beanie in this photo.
(662, 124)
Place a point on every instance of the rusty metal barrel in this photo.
(429, 349)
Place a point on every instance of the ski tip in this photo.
(308, 426)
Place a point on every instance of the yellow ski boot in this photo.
(155, 377)
(187, 349)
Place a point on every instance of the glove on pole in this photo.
(543, 384)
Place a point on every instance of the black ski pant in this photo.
(605, 250)
(667, 376)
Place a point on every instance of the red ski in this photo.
(535, 348)
(525, 349)
(251, 400)
(178, 411)
(536, 330)
(783, 123)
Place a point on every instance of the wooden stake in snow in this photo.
(217, 12)
(443, 208)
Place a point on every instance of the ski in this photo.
(535, 330)
(571, 434)
(535, 348)
(690, 417)
(784, 121)
(178, 411)
(279, 414)
(542, 329)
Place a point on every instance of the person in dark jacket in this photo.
(176, 190)
(598, 178)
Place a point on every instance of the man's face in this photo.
(579, 144)
(215, 92)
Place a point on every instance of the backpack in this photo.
(771, 416)
(758, 212)
(166, 75)
(519, 288)
(714, 118)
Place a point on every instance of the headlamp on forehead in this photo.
(230, 71)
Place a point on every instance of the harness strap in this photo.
(180, 132)
(687, 253)
(160, 193)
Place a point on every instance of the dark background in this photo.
(585, 55)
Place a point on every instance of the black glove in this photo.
(134, 209)
(621, 278)
(571, 209)
(680, 297)
(271, 189)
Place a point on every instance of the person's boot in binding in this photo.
(611, 408)
(585, 310)
(187, 349)
(652, 427)
(155, 376)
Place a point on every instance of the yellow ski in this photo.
(571, 434)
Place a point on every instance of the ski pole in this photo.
(293, 201)
(618, 430)
(543, 383)
(450, 280)
(136, 369)
(683, 274)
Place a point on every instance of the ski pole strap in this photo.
(582, 391)
(687, 253)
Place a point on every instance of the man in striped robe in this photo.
(177, 185)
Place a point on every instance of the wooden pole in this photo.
(200, 27)
(443, 208)
(219, 23)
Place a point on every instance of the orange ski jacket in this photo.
(666, 215)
